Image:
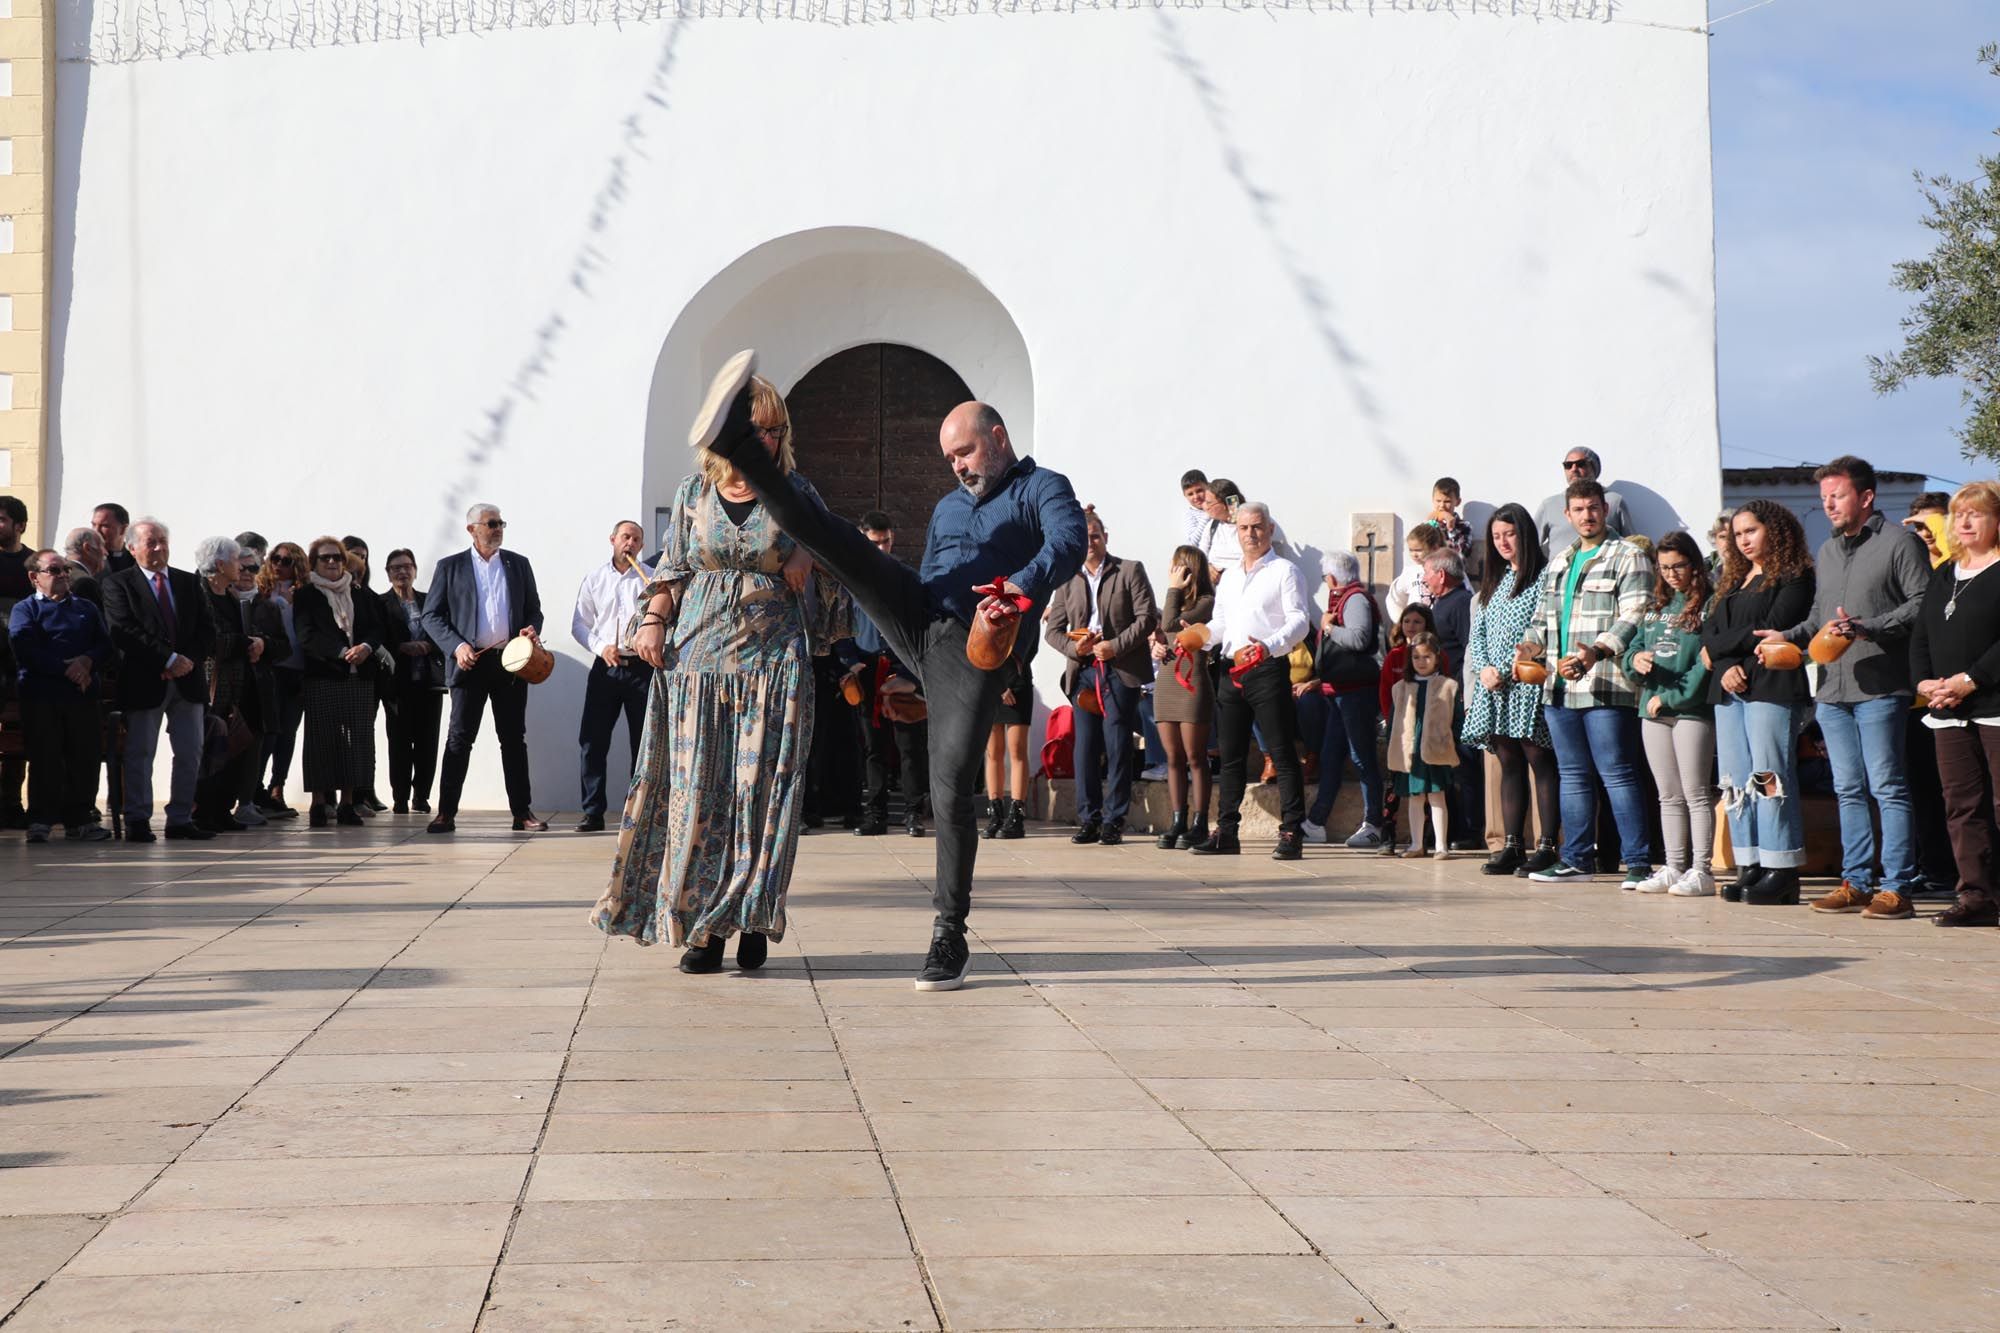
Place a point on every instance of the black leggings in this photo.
(1516, 759)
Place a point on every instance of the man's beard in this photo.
(979, 483)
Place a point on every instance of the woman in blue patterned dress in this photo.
(712, 819)
(1503, 715)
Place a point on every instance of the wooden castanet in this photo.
(1778, 655)
(1828, 645)
(527, 659)
(1529, 668)
(850, 690)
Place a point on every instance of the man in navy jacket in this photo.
(478, 601)
(60, 646)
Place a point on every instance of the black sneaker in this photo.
(946, 964)
(1559, 873)
(1090, 832)
(1542, 858)
(1291, 846)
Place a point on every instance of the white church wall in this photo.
(1330, 254)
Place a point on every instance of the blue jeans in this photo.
(1340, 728)
(1758, 741)
(1107, 741)
(1864, 743)
(1599, 744)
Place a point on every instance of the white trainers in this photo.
(1659, 881)
(1157, 773)
(248, 813)
(1696, 883)
(1313, 832)
(1366, 838)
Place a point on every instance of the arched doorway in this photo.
(866, 421)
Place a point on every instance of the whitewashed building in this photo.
(348, 265)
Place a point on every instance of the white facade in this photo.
(1330, 252)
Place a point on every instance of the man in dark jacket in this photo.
(1110, 603)
(479, 600)
(59, 646)
(159, 622)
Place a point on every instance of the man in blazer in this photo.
(478, 601)
(159, 622)
(1109, 606)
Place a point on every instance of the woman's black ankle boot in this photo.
(1505, 861)
(1016, 823)
(996, 818)
(1777, 887)
(1745, 877)
(703, 957)
(1197, 833)
(1171, 838)
(751, 951)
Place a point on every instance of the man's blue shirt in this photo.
(1028, 530)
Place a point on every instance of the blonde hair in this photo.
(267, 574)
(1980, 495)
(767, 410)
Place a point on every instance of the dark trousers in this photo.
(834, 767)
(1934, 854)
(410, 717)
(1968, 761)
(963, 699)
(1265, 702)
(64, 735)
(1104, 750)
(912, 745)
(487, 680)
(1346, 726)
(609, 692)
(282, 740)
(1465, 802)
(216, 795)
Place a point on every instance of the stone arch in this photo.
(804, 297)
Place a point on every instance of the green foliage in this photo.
(1954, 329)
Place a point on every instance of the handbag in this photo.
(226, 737)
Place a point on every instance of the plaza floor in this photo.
(372, 1080)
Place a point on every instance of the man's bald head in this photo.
(975, 444)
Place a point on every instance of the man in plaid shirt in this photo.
(1595, 593)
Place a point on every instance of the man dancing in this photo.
(1008, 523)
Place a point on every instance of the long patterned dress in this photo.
(711, 825)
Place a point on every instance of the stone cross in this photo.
(1373, 535)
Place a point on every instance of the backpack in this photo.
(1059, 744)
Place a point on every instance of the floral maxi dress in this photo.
(711, 826)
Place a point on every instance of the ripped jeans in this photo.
(1756, 749)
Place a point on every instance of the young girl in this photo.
(1415, 620)
(1184, 699)
(1407, 589)
(1007, 749)
(1677, 724)
(1420, 740)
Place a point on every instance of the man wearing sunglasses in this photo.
(1552, 519)
(478, 601)
(60, 645)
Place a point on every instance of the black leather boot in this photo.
(701, 958)
(1505, 861)
(1196, 835)
(1746, 876)
(996, 819)
(1777, 887)
(1016, 825)
(1171, 838)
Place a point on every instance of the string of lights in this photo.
(125, 31)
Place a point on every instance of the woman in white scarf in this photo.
(338, 633)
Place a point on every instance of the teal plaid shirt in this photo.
(1611, 598)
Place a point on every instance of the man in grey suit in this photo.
(478, 601)
(1110, 605)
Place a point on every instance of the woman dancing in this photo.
(712, 820)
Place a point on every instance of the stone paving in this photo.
(371, 1080)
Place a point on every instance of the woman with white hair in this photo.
(1339, 708)
(235, 728)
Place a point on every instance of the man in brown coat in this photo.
(1100, 621)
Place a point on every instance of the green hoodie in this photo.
(1678, 679)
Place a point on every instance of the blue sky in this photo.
(1822, 110)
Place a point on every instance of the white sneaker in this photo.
(1366, 838)
(1695, 883)
(1313, 832)
(1157, 773)
(1660, 880)
(248, 813)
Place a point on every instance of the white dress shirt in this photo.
(604, 606)
(1096, 612)
(1266, 603)
(490, 574)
